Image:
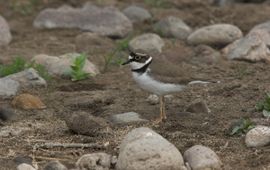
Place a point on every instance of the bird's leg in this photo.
(163, 107)
(161, 110)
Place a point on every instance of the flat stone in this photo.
(86, 124)
(8, 87)
(27, 101)
(172, 27)
(28, 78)
(95, 161)
(106, 21)
(258, 136)
(25, 166)
(142, 148)
(253, 47)
(136, 13)
(60, 66)
(202, 158)
(5, 35)
(148, 42)
(55, 165)
(215, 35)
(125, 118)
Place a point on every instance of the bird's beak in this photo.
(127, 62)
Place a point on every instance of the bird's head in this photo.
(138, 60)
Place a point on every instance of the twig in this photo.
(68, 145)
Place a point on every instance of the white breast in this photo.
(149, 84)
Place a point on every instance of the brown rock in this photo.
(28, 101)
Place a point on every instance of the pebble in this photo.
(86, 124)
(215, 35)
(55, 165)
(95, 161)
(198, 106)
(25, 166)
(137, 14)
(27, 102)
(60, 66)
(253, 47)
(172, 27)
(258, 136)
(202, 158)
(149, 43)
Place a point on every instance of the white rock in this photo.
(173, 27)
(137, 14)
(8, 87)
(107, 21)
(149, 43)
(25, 166)
(258, 136)
(95, 161)
(253, 47)
(5, 35)
(61, 65)
(202, 158)
(218, 34)
(142, 148)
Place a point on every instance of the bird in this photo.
(154, 80)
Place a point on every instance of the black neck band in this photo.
(142, 69)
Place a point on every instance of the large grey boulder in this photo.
(5, 35)
(106, 21)
(253, 47)
(172, 27)
(142, 148)
(148, 42)
(215, 35)
(136, 14)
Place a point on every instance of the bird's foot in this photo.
(158, 120)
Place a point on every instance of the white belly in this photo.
(154, 86)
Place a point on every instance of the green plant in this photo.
(77, 72)
(19, 64)
(264, 106)
(242, 126)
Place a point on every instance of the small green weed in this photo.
(242, 126)
(77, 72)
(264, 106)
(19, 64)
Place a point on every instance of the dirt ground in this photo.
(243, 84)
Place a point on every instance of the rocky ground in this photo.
(55, 119)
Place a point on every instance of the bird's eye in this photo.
(137, 57)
